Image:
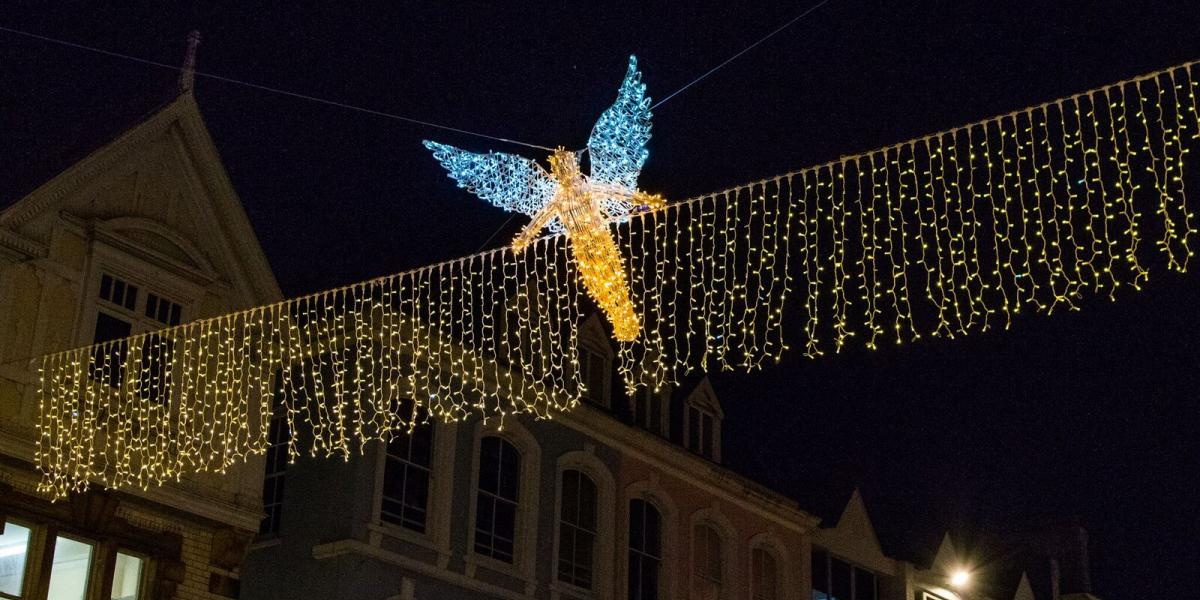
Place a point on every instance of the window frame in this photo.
(707, 446)
(586, 351)
(586, 462)
(39, 561)
(562, 525)
(854, 568)
(659, 559)
(785, 573)
(441, 492)
(653, 399)
(699, 571)
(407, 463)
(149, 279)
(651, 492)
(525, 537)
(497, 497)
(727, 534)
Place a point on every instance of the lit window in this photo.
(70, 569)
(577, 529)
(406, 472)
(496, 499)
(127, 577)
(645, 550)
(67, 568)
(14, 553)
(593, 373)
(701, 431)
(764, 574)
(706, 563)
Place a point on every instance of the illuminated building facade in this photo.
(621, 498)
(143, 233)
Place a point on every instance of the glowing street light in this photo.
(960, 578)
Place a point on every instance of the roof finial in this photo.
(187, 75)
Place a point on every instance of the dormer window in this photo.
(647, 410)
(702, 416)
(593, 373)
(701, 431)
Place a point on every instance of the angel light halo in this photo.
(565, 199)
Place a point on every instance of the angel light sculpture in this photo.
(565, 199)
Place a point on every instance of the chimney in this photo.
(187, 75)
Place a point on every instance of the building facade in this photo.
(144, 233)
(622, 498)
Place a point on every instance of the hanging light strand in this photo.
(941, 235)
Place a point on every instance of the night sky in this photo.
(1090, 414)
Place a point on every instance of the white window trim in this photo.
(602, 569)
(441, 494)
(525, 541)
(668, 513)
(149, 278)
(770, 543)
(713, 518)
(40, 549)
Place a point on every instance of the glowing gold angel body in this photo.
(567, 200)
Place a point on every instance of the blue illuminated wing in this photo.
(506, 180)
(617, 146)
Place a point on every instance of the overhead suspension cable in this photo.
(264, 88)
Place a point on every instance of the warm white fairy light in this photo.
(943, 235)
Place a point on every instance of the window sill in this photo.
(562, 589)
(263, 541)
(381, 529)
(474, 561)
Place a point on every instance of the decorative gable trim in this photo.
(50, 195)
(207, 176)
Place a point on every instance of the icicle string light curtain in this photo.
(938, 236)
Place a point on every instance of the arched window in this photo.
(645, 550)
(707, 566)
(764, 575)
(577, 529)
(497, 495)
(406, 473)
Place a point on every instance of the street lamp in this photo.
(960, 578)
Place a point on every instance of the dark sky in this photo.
(1091, 414)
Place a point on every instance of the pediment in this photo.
(159, 188)
(946, 559)
(1024, 590)
(854, 538)
(159, 241)
(705, 397)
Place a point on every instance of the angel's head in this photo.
(564, 166)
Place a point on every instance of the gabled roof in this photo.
(197, 173)
(853, 537)
(1024, 591)
(704, 396)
